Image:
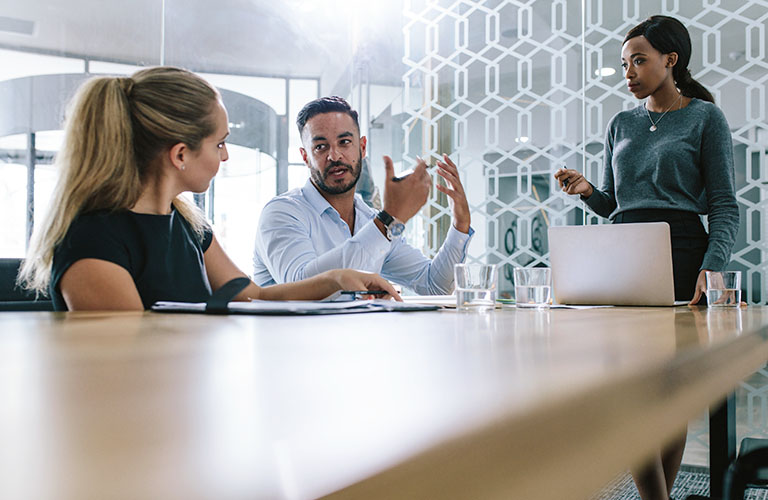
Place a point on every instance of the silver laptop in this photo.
(613, 264)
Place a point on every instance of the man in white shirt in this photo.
(323, 225)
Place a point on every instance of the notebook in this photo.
(614, 264)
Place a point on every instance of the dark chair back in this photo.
(748, 470)
(13, 298)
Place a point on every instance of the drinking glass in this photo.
(723, 288)
(533, 287)
(475, 287)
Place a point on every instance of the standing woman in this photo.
(669, 159)
(118, 235)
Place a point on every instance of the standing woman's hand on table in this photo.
(701, 287)
(572, 182)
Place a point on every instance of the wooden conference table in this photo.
(509, 404)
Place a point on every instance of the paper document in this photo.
(566, 306)
(297, 307)
(450, 301)
(437, 300)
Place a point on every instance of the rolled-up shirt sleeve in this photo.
(365, 251)
(286, 247)
(297, 240)
(407, 266)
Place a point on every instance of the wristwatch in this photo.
(395, 227)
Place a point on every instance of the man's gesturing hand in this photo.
(404, 198)
(455, 192)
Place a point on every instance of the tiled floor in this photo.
(697, 446)
(751, 414)
(690, 481)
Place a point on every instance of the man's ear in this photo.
(363, 144)
(304, 156)
(177, 154)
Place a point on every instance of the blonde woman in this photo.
(118, 236)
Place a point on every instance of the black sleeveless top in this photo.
(162, 253)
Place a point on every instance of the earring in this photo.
(183, 167)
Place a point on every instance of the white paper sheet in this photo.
(297, 307)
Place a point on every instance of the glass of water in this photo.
(475, 287)
(723, 288)
(533, 287)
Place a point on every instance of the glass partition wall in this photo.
(516, 90)
(511, 90)
(47, 50)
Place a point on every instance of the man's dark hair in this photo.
(322, 105)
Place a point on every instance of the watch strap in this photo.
(385, 218)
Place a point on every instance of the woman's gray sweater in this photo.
(686, 164)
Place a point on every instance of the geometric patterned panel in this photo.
(752, 405)
(729, 58)
(497, 84)
(512, 91)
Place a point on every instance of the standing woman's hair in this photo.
(115, 132)
(667, 34)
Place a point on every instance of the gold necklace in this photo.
(653, 125)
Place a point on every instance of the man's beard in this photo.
(319, 180)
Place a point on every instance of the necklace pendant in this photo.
(653, 128)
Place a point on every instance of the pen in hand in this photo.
(405, 173)
(366, 292)
(350, 295)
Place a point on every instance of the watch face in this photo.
(396, 229)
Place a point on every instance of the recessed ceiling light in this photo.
(522, 139)
(18, 26)
(607, 71)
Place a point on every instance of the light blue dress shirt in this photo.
(300, 235)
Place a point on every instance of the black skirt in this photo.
(689, 244)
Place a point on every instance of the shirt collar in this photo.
(313, 196)
(320, 204)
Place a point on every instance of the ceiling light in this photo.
(607, 71)
(17, 26)
(522, 138)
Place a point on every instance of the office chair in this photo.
(750, 468)
(13, 298)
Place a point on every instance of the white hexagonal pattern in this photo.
(511, 89)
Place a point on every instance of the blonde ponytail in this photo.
(115, 130)
(95, 167)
